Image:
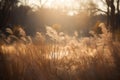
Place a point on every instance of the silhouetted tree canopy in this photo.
(113, 15)
(6, 8)
(36, 20)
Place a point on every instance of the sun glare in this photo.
(56, 3)
(33, 2)
(70, 6)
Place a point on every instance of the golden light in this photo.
(70, 6)
(61, 3)
(33, 2)
(55, 3)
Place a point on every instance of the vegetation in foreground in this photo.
(62, 57)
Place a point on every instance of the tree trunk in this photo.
(112, 13)
(118, 15)
(108, 16)
(108, 12)
(118, 6)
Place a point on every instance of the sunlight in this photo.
(33, 2)
(72, 7)
(59, 4)
(59, 39)
(63, 4)
(72, 13)
(60, 54)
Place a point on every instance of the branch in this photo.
(43, 3)
(104, 2)
(101, 10)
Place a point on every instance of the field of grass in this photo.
(65, 58)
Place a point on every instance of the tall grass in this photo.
(66, 58)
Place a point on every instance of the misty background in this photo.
(74, 15)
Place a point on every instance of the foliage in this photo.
(6, 8)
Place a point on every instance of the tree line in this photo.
(9, 10)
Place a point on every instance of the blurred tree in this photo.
(113, 14)
(6, 7)
(92, 7)
(20, 15)
(118, 14)
(24, 16)
(42, 3)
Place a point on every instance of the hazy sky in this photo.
(65, 4)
